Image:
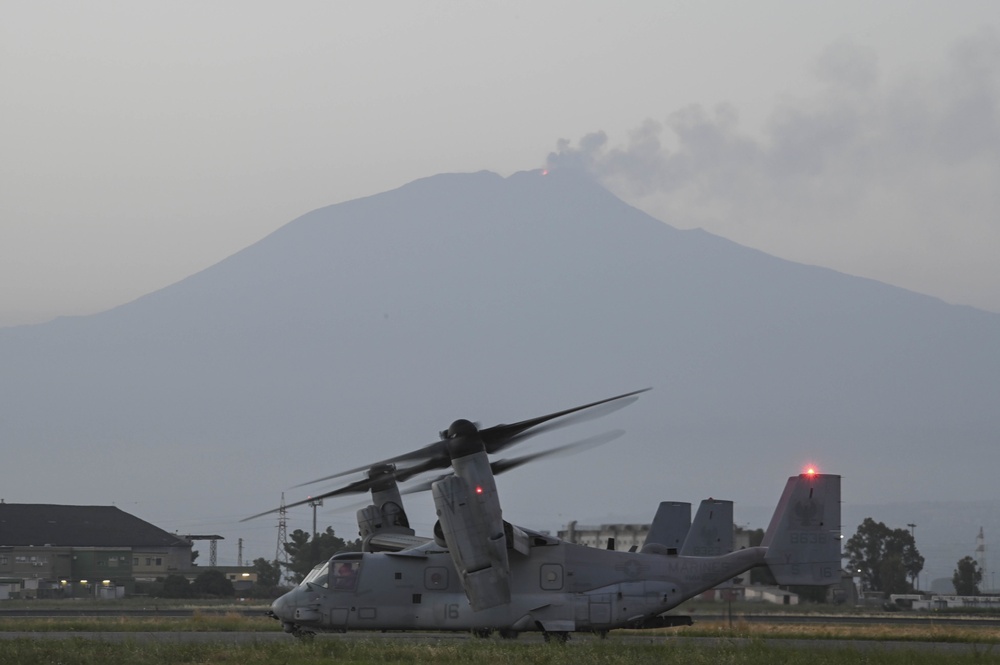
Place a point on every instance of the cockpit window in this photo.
(318, 575)
(345, 574)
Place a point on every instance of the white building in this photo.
(626, 536)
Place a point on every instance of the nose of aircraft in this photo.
(280, 609)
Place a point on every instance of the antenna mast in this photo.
(981, 555)
(280, 555)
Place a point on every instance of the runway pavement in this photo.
(262, 637)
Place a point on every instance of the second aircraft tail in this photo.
(803, 539)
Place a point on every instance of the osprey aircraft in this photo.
(482, 574)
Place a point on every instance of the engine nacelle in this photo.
(472, 526)
(386, 515)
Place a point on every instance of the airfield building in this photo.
(625, 536)
(49, 550)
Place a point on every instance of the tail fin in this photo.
(669, 528)
(803, 539)
(711, 532)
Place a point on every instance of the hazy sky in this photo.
(143, 141)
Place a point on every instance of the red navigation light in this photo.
(811, 470)
(479, 489)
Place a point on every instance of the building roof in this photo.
(40, 524)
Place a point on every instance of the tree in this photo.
(967, 577)
(268, 572)
(176, 586)
(212, 583)
(885, 558)
(305, 554)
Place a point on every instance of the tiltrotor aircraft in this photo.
(481, 573)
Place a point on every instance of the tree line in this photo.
(887, 560)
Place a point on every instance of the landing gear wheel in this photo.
(304, 635)
(507, 634)
(482, 632)
(559, 637)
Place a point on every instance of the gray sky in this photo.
(141, 142)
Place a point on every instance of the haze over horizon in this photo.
(145, 143)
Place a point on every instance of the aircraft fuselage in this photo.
(557, 587)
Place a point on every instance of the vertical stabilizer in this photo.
(711, 532)
(803, 539)
(669, 528)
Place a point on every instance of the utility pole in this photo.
(239, 555)
(315, 543)
(913, 534)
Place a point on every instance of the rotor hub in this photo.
(462, 439)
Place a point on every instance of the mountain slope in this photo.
(364, 328)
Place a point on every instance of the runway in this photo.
(762, 618)
(263, 637)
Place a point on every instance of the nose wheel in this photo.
(297, 631)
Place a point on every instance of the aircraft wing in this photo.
(395, 542)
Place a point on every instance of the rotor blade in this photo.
(366, 484)
(504, 465)
(292, 505)
(499, 437)
(436, 451)
(402, 475)
(266, 512)
(572, 419)
(424, 486)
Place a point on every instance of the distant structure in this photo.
(49, 550)
(981, 555)
(624, 536)
(213, 547)
(280, 555)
